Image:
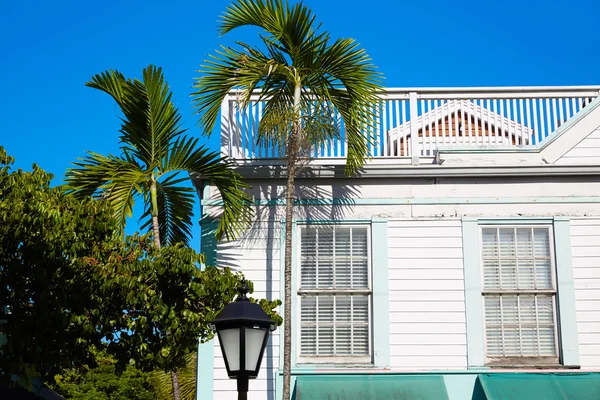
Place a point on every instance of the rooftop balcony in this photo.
(414, 124)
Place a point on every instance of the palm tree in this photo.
(302, 76)
(156, 157)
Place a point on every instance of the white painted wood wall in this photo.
(426, 289)
(585, 152)
(585, 243)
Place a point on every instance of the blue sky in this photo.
(50, 49)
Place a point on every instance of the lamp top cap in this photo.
(244, 290)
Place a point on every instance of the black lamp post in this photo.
(243, 329)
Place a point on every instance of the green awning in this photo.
(371, 387)
(542, 386)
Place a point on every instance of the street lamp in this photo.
(243, 329)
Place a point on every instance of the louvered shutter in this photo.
(519, 294)
(334, 291)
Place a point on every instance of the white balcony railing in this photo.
(520, 117)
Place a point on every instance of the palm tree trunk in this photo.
(155, 229)
(154, 203)
(292, 159)
(176, 387)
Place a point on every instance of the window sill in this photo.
(531, 366)
(527, 363)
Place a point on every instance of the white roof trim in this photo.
(470, 108)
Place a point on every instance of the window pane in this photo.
(308, 324)
(325, 260)
(328, 333)
(520, 325)
(308, 255)
(543, 260)
(360, 261)
(334, 258)
(343, 259)
(525, 261)
(516, 259)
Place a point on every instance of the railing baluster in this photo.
(397, 104)
(535, 132)
(404, 136)
(521, 123)
(414, 129)
(429, 127)
(487, 125)
(422, 118)
(555, 115)
(497, 138)
(503, 132)
(529, 119)
(383, 134)
(476, 112)
(561, 113)
(436, 111)
(514, 122)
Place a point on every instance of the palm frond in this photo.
(187, 380)
(228, 68)
(175, 210)
(150, 120)
(237, 210)
(116, 179)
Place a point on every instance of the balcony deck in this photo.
(415, 124)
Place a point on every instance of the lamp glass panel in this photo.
(230, 340)
(255, 337)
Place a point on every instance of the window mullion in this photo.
(535, 286)
(317, 258)
(516, 259)
(499, 257)
(317, 324)
(351, 259)
(352, 325)
(334, 261)
(537, 326)
(519, 322)
(502, 327)
(334, 325)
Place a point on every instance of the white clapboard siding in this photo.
(585, 242)
(585, 152)
(257, 255)
(426, 289)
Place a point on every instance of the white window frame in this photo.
(517, 360)
(299, 292)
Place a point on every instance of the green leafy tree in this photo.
(103, 383)
(302, 76)
(48, 313)
(69, 284)
(155, 151)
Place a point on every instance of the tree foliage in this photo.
(69, 284)
(156, 157)
(50, 316)
(103, 383)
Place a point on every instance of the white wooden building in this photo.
(452, 266)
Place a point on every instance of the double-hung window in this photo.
(334, 294)
(519, 294)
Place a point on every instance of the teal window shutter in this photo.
(566, 292)
(381, 300)
(473, 298)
